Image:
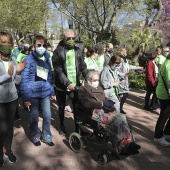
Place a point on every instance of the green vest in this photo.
(91, 63)
(71, 66)
(165, 72)
(20, 57)
(100, 61)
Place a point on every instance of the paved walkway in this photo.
(61, 157)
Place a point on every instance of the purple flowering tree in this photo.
(161, 21)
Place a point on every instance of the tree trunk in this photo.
(159, 13)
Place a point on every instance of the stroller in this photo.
(99, 136)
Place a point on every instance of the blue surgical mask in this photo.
(95, 84)
(40, 50)
(113, 68)
(49, 52)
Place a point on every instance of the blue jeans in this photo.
(35, 132)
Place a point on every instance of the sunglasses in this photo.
(117, 62)
(166, 51)
(69, 38)
(39, 45)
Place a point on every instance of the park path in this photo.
(61, 157)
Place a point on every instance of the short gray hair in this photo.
(67, 30)
(165, 47)
(90, 73)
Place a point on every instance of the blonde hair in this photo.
(122, 51)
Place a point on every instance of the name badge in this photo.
(42, 72)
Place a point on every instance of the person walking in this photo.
(162, 129)
(160, 59)
(109, 81)
(123, 72)
(151, 80)
(90, 59)
(68, 63)
(9, 76)
(37, 89)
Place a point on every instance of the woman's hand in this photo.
(21, 66)
(143, 70)
(27, 103)
(11, 69)
(126, 74)
(53, 97)
(115, 84)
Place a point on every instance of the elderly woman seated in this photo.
(92, 96)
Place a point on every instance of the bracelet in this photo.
(18, 73)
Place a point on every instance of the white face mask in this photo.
(40, 50)
(95, 84)
(166, 54)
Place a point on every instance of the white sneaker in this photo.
(167, 137)
(162, 141)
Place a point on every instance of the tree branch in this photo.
(75, 19)
(95, 8)
(160, 11)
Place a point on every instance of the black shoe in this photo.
(47, 143)
(152, 107)
(1, 163)
(135, 146)
(12, 158)
(123, 112)
(135, 152)
(17, 118)
(37, 143)
(148, 109)
(62, 131)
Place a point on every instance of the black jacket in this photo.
(59, 64)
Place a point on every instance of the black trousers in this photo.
(61, 99)
(163, 122)
(122, 100)
(150, 90)
(7, 112)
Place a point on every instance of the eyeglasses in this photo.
(117, 62)
(69, 38)
(39, 45)
(94, 80)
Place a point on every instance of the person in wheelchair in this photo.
(92, 97)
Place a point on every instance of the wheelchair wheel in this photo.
(76, 142)
(102, 159)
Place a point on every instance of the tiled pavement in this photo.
(61, 157)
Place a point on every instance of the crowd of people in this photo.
(38, 75)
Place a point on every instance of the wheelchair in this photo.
(99, 136)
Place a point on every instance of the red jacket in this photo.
(150, 78)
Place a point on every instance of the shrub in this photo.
(137, 80)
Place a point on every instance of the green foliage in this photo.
(87, 41)
(98, 17)
(137, 80)
(23, 16)
(145, 39)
